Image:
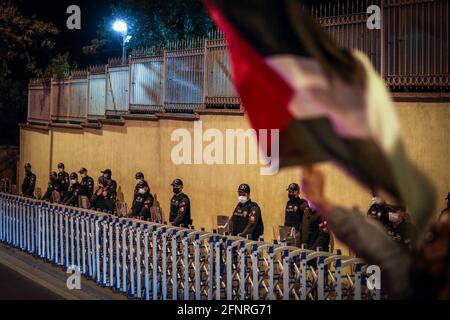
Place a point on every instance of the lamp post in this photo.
(121, 26)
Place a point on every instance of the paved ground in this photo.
(15, 286)
(25, 277)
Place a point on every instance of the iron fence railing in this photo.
(153, 261)
(410, 51)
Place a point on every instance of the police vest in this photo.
(139, 202)
(87, 186)
(293, 215)
(241, 216)
(178, 201)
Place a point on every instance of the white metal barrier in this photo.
(146, 260)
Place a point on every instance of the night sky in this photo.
(92, 12)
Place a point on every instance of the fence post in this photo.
(105, 250)
(117, 229)
(164, 263)
(242, 268)
(138, 261)
(338, 271)
(217, 250)
(131, 258)
(286, 274)
(146, 275)
(174, 266)
(229, 270)
(197, 266)
(111, 252)
(124, 257)
(271, 270)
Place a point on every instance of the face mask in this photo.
(242, 199)
(292, 196)
(73, 181)
(393, 217)
(83, 176)
(141, 190)
(105, 176)
(176, 190)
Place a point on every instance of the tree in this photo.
(151, 23)
(23, 39)
(25, 44)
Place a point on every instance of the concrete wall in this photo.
(146, 146)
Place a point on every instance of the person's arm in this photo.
(364, 236)
(322, 241)
(369, 241)
(90, 187)
(67, 197)
(254, 216)
(112, 188)
(47, 193)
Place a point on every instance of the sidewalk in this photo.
(25, 277)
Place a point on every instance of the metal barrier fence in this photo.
(146, 260)
(147, 81)
(410, 51)
(117, 86)
(38, 102)
(97, 92)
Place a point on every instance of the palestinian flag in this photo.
(327, 102)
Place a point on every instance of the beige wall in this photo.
(146, 146)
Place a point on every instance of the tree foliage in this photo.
(22, 39)
(151, 23)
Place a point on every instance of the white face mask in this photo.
(242, 199)
(141, 190)
(393, 217)
(73, 181)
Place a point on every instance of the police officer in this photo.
(313, 231)
(143, 197)
(87, 184)
(180, 206)
(105, 196)
(64, 180)
(247, 219)
(139, 176)
(53, 190)
(293, 214)
(71, 198)
(379, 210)
(29, 182)
(400, 229)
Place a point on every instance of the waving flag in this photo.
(327, 102)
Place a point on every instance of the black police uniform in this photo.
(142, 206)
(247, 220)
(180, 210)
(107, 202)
(53, 185)
(294, 213)
(87, 187)
(138, 204)
(64, 182)
(137, 194)
(404, 233)
(380, 212)
(311, 235)
(28, 185)
(71, 198)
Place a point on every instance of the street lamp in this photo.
(121, 26)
